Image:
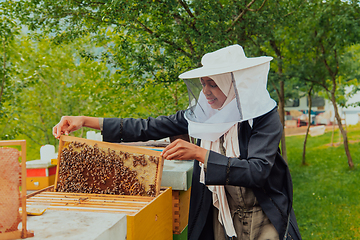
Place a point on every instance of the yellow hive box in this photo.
(147, 217)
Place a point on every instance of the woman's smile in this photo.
(211, 100)
(214, 96)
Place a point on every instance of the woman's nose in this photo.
(206, 90)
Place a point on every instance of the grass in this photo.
(326, 191)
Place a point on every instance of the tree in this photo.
(327, 30)
(151, 42)
(157, 40)
(152, 35)
(8, 31)
(309, 95)
(273, 37)
(53, 80)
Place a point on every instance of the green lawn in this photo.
(326, 192)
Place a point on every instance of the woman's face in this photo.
(212, 92)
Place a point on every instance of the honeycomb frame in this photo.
(23, 232)
(89, 166)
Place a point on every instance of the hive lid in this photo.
(39, 164)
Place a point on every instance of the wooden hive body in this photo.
(149, 216)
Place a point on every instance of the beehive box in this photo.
(89, 166)
(94, 176)
(39, 174)
(146, 217)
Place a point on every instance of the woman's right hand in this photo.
(67, 125)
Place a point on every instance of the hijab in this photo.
(224, 82)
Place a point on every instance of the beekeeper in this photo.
(241, 186)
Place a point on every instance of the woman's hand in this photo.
(182, 150)
(67, 125)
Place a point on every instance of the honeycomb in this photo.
(85, 168)
(9, 190)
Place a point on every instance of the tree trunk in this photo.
(281, 111)
(175, 95)
(282, 119)
(308, 128)
(333, 131)
(343, 132)
(281, 95)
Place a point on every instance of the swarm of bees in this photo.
(90, 169)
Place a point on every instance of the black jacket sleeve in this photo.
(133, 130)
(253, 169)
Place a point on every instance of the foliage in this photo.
(350, 76)
(325, 33)
(157, 39)
(8, 31)
(53, 80)
(8, 25)
(326, 30)
(142, 46)
(160, 39)
(51, 86)
(325, 191)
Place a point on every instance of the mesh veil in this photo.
(247, 98)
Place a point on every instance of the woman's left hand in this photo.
(182, 150)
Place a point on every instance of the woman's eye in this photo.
(213, 86)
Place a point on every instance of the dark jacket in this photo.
(260, 168)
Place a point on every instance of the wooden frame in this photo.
(147, 217)
(113, 146)
(23, 233)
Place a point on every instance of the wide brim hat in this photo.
(224, 60)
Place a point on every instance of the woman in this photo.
(241, 186)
